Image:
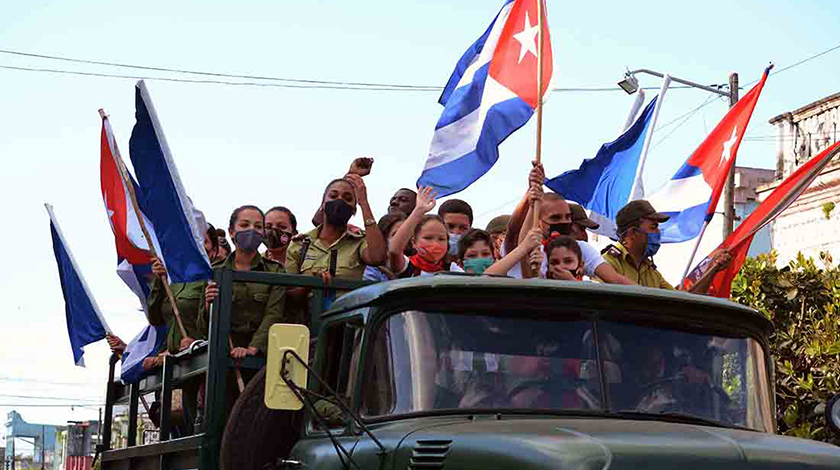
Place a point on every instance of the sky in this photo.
(270, 146)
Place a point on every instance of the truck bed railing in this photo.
(201, 450)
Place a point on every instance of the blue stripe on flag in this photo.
(465, 100)
(163, 198)
(687, 171)
(146, 344)
(683, 225)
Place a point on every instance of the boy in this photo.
(475, 251)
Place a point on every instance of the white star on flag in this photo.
(727, 147)
(527, 39)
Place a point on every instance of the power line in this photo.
(47, 398)
(796, 64)
(50, 405)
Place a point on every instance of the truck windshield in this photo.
(426, 361)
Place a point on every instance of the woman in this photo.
(388, 226)
(255, 306)
(280, 227)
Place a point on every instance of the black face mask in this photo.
(337, 212)
(559, 229)
(275, 238)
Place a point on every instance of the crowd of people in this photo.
(544, 237)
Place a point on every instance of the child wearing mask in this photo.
(565, 260)
(475, 251)
(430, 239)
(457, 215)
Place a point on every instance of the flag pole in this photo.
(634, 110)
(76, 267)
(133, 196)
(535, 208)
(694, 251)
(637, 191)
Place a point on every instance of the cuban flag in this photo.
(163, 197)
(146, 344)
(133, 259)
(85, 323)
(691, 196)
(738, 244)
(604, 184)
(492, 93)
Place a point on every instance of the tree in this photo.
(803, 302)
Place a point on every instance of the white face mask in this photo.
(454, 238)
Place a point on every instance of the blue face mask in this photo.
(653, 244)
(478, 265)
(454, 238)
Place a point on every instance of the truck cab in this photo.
(477, 372)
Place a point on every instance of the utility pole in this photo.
(43, 447)
(729, 188)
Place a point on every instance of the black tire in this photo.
(256, 435)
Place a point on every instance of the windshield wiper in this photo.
(675, 416)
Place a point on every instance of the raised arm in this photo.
(376, 252)
(426, 199)
(504, 265)
(520, 214)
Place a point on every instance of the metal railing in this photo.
(211, 359)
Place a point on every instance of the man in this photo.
(497, 228)
(403, 200)
(638, 234)
(581, 223)
(554, 218)
(457, 215)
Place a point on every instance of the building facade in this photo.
(810, 225)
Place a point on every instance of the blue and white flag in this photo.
(604, 184)
(164, 199)
(85, 323)
(145, 344)
(491, 94)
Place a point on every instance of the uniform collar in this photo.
(625, 255)
(351, 232)
(257, 264)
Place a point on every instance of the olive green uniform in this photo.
(646, 275)
(255, 306)
(349, 248)
(189, 298)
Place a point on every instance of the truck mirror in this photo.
(832, 414)
(282, 338)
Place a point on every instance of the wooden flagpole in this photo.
(535, 208)
(127, 181)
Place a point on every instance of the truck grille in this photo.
(429, 455)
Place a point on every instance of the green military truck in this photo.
(458, 372)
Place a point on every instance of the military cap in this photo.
(579, 217)
(638, 209)
(498, 224)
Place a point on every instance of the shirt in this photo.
(410, 270)
(646, 275)
(189, 297)
(349, 248)
(591, 260)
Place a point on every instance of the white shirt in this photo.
(591, 260)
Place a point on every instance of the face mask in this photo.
(478, 265)
(431, 252)
(559, 229)
(248, 240)
(652, 244)
(454, 238)
(276, 239)
(337, 212)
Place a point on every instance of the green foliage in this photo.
(803, 301)
(827, 208)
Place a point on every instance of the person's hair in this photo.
(456, 206)
(386, 223)
(292, 218)
(447, 258)
(623, 230)
(213, 235)
(470, 238)
(337, 180)
(222, 241)
(409, 190)
(565, 241)
(235, 215)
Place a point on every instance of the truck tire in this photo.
(256, 435)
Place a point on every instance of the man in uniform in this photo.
(581, 223)
(638, 233)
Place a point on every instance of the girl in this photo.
(564, 259)
(430, 237)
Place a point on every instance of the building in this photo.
(42, 435)
(810, 225)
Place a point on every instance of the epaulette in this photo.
(355, 231)
(611, 250)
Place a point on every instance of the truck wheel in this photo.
(256, 435)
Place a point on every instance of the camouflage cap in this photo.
(635, 210)
(498, 224)
(579, 217)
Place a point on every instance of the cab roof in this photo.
(454, 285)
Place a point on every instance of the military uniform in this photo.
(646, 275)
(189, 298)
(255, 306)
(308, 255)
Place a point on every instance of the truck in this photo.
(476, 372)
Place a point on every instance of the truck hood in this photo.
(492, 443)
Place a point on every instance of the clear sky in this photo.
(271, 146)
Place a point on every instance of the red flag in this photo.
(738, 243)
(121, 214)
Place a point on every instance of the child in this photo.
(564, 259)
(475, 251)
(430, 237)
